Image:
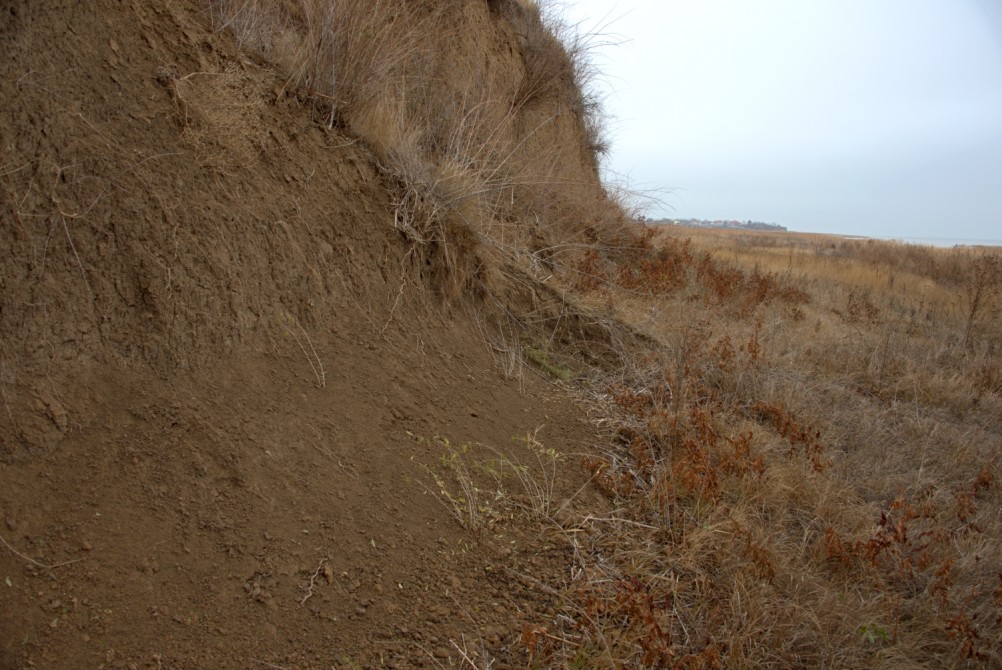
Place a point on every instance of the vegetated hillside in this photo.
(295, 300)
(253, 323)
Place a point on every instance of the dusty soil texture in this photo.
(222, 371)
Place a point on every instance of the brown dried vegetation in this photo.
(805, 475)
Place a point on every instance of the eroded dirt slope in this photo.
(221, 371)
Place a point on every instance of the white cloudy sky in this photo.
(869, 117)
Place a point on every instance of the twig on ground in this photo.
(313, 580)
(400, 292)
(33, 561)
(318, 369)
(464, 655)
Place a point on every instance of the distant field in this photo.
(919, 270)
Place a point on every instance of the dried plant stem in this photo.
(33, 561)
(311, 356)
(313, 580)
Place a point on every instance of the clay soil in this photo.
(222, 371)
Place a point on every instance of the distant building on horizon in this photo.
(731, 225)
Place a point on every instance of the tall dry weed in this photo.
(348, 54)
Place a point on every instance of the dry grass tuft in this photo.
(478, 146)
(484, 488)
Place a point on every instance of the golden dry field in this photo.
(808, 469)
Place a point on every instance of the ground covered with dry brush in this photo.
(804, 466)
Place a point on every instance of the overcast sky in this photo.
(864, 117)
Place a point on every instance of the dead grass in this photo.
(805, 471)
(484, 488)
(347, 55)
(475, 140)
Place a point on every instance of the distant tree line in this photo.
(701, 223)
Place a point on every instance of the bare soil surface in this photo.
(242, 514)
(221, 373)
